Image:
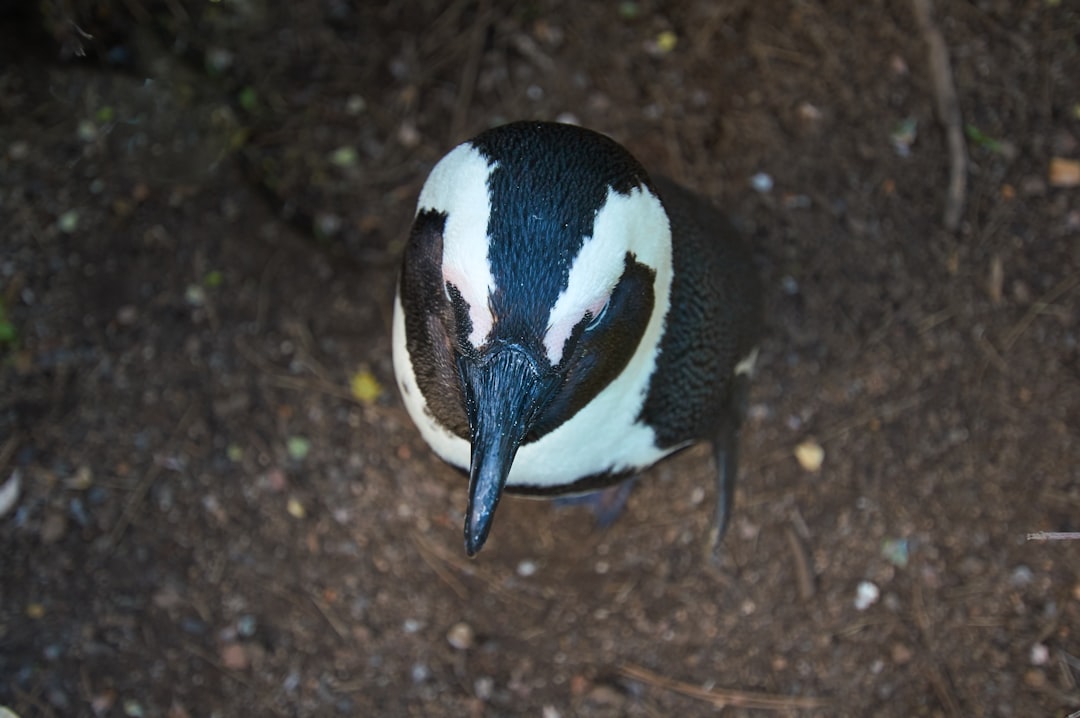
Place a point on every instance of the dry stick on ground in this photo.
(1039, 306)
(432, 559)
(936, 674)
(137, 496)
(805, 577)
(721, 698)
(494, 584)
(1054, 536)
(261, 696)
(948, 108)
(1062, 288)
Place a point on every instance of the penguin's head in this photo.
(539, 260)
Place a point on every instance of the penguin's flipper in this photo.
(726, 457)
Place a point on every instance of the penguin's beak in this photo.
(505, 390)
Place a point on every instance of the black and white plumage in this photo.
(563, 320)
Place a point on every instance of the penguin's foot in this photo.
(606, 505)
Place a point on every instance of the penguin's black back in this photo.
(713, 323)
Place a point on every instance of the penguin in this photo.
(563, 320)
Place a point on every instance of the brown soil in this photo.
(195, 267)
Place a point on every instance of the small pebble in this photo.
(101, 704)
(295, 508)
(19, 150)
(460, 636)
(1040, 654)
(762, 182)
(234, 657)
(408, 135)
(246, 625)
(1034, 678)
(809, 113)
(901, 654)
(895, 551)
(866, 595)
(68, 221)
(195, 295)
(484, 687)
(1021, 576)
(419, 673)
(810, 455)
(355, 105)
(1064, 172)
(87, 131)
(219, 59)
(9, 492)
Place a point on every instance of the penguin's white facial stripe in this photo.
(634, 223)
(479, 311)
(458, 188)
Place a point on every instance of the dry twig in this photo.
(722, 698)
(1038, 306)
(431, 550)
(144, 485)
(802, 565)
(435, 563)
(1043, 536)
(948, 108)
(260, 696)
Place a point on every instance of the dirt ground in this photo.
(211, 509)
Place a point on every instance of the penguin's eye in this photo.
(597, 316)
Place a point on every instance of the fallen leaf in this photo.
(666, 41)
(298, 447)
(365, 387)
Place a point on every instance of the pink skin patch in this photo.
(479, 312)
(557, 334)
